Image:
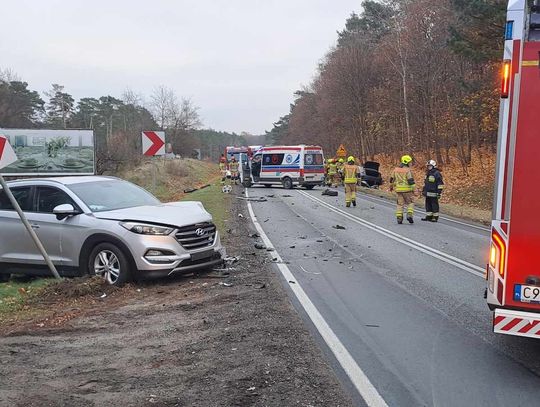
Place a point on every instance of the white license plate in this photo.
(527, 293)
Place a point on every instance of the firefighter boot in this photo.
(435, 218)
(428, 218)
(348, 204)
(400, 220)
(410, 219)
(354, 203)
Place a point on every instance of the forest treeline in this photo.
(406, 76)
(117, 122)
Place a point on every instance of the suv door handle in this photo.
(34, 226)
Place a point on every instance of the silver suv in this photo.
(104, 226)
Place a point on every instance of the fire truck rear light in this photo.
(505, 87)
(493, 256)
(500, 253)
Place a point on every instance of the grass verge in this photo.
(14, 293)
(215, 202)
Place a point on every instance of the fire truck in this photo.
(513, 272)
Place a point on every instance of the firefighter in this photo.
(433, 188)
(340, 165)
(351, 174)
(223, 165)
(326, 176)
(402, 181)
(332, 171)
(233, 168)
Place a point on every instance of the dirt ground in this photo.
(201, 340)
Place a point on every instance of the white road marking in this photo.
(462, 264)
(358, 378)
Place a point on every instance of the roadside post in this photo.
(153, 144)
(7, 157)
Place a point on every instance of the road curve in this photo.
(405, 301)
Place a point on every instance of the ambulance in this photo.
(513, 272)
(289, 166)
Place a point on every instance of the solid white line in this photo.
(359, 379)
(462, 264)
(385, 201)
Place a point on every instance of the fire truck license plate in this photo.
(527, 293)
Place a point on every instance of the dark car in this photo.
(372, 177)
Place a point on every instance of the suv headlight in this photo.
(145, 229)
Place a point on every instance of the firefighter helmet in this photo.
(433, 163)
(406, 159)
(330, 160)
(341, 160)
(350, 159)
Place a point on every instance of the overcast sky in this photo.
(239, 60)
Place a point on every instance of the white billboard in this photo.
(51, 152)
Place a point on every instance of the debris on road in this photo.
(269, 249)
(286, 196)
(240, 215)
(253, 199)
(339, 227)
(230, 260)
(270, 196)
(226, 284)
(103, 295)
(254, 235)
(259, 246)
(329, 192)
(292, 247)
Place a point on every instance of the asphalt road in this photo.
(406, 301)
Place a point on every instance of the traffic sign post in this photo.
(7, 157)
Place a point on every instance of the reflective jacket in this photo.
(350, 173)
(332, 169)
(402, 179)
(433, 184)
(233, 166)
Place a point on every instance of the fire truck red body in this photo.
(513, 273)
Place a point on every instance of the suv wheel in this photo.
(109, 262)
(287, 183)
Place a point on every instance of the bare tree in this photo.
(184, 116)
(130, 97)
(8, 75)
(161, 100)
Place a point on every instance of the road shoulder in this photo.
(193, 341)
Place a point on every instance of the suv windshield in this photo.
(109, 195)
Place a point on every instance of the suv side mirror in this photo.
(64, 211)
